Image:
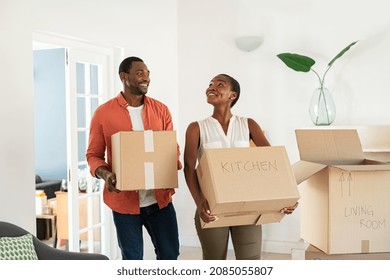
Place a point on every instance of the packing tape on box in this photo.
(149, 166)
(149, 175)
(365, 246)
(148, 141)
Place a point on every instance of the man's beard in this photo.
(135, 90)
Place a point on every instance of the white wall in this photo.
(131, 25)
(274, 95)
(185, 43)
(17, 117)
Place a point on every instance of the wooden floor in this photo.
(186, 252)
(195, 253)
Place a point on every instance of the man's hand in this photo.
(109, 177)
(111, 182)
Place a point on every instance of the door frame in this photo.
(108, 239)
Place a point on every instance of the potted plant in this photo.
(322, 109)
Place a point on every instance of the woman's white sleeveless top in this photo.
(213, 136)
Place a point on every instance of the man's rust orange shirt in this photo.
(110, 118)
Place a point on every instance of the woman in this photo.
(222, 130)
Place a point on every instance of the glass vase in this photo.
(322, 109)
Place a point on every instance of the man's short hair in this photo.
(127, 62)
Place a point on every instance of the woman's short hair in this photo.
(235, 87)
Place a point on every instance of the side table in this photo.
(50, 226)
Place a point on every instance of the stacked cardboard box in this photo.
(345, 198)
(247, 185)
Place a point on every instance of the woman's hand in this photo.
(204, 211)
(289, 210)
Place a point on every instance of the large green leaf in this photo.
(297, 62)
(341, 53)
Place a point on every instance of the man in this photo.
(131, 109)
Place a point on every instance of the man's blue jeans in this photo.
(161, 225)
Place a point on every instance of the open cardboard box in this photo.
(145, 159)
(247, 185)
(345, 198)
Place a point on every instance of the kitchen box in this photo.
(247, 185)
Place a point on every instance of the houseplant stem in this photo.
(322, 94)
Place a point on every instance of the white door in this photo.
(87, 82)
(89, 78)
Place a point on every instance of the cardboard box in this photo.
(145, 159)
(376, 142)
(345, 198)
(247, 185)
(313, 253)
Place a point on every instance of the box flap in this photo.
(244, 218)
(272, 217)
(375, 138)
(236, 219)
(376, 142)
(304, 169)
(363, 167)
(378, 156)
(330, 146)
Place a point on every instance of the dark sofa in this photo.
(44, 251)
(49, 186)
